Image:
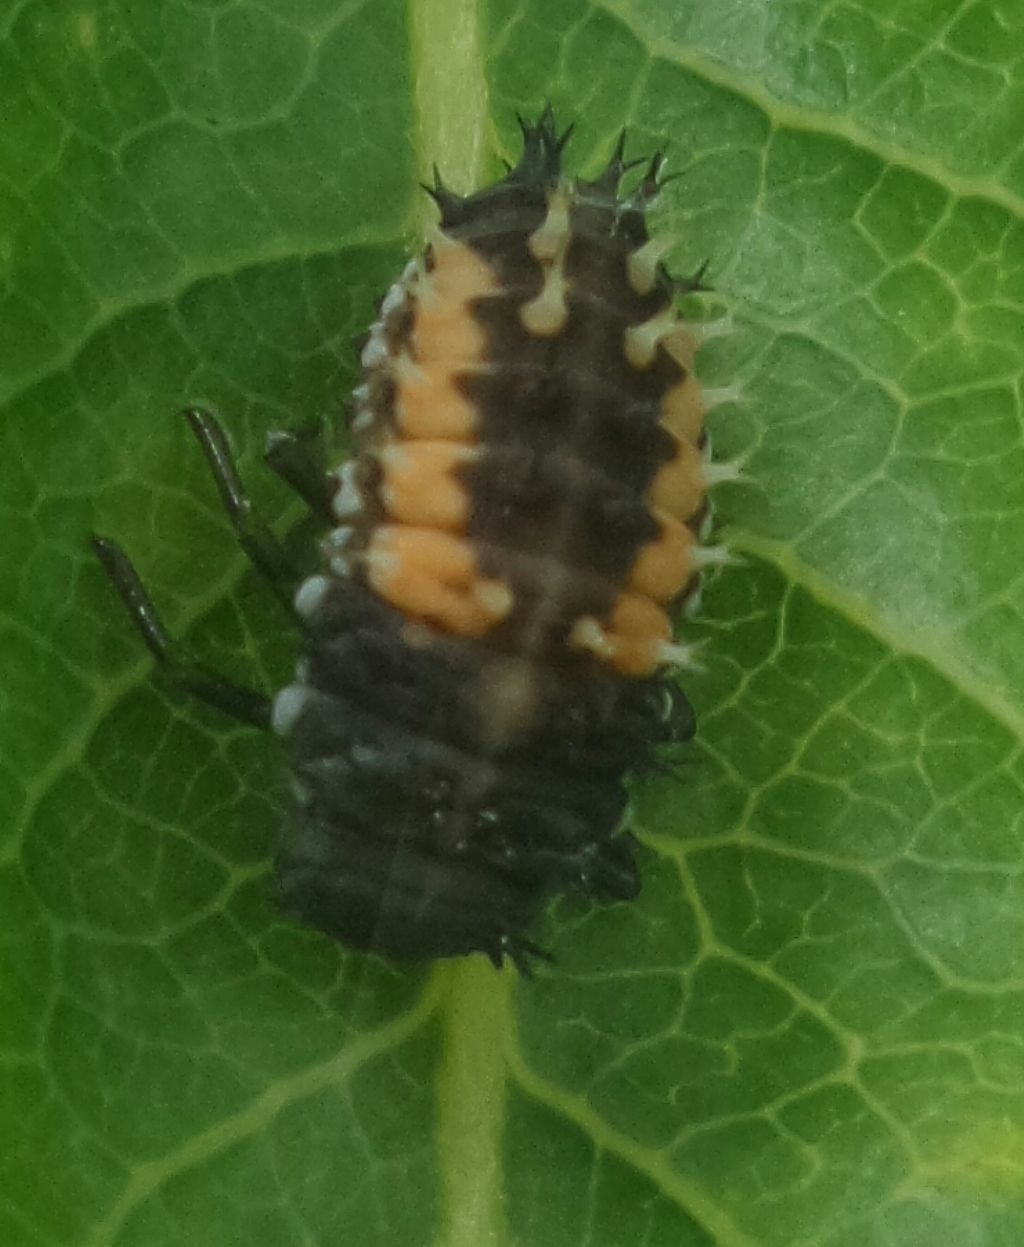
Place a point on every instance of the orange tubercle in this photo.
(433, 576)
(631, 640)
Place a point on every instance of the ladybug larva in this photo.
(488, 646)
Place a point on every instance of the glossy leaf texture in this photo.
(809, 1031)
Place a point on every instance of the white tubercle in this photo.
(715, 473)
(716, 396)
(546, 315)
(394, 298)
(693, 600)
(287, 706)
(311, 594)
(347, 501)
(405, 368)
(334, 545)
(642, 264)
(375, 352)
(641, 341)
(338, 538)
(710, 556)
(496, 599)
(587, 634)
(362, 413)
(672, 654)
(392, 455)
(381, 565)
(707, 525)
(548, 240)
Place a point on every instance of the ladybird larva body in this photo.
(488, 640)
(508, 577)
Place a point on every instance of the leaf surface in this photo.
(809, 1032)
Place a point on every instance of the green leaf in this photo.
(810, 1028)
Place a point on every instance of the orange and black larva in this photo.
(488, 648)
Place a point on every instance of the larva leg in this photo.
(293, 461)
(255, 537)
(240, 703)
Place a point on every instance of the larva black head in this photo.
(539, 168)
(527, 186)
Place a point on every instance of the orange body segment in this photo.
(445, 329)
(678, 488)
(630, 640)
(682, 410)
(428, 404)
(638, 628)
(420, 485)
(433, 576)
(664, 565)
